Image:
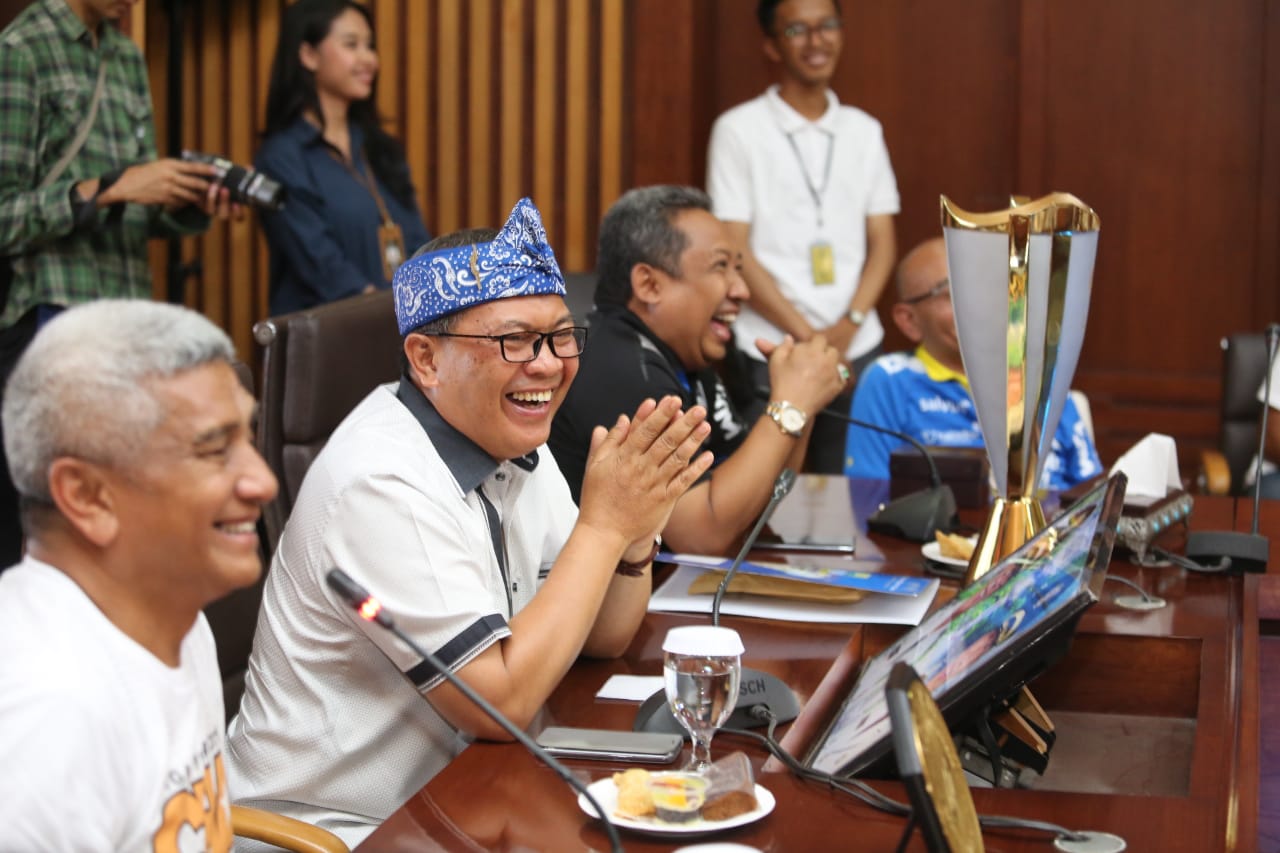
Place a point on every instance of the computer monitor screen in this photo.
(995, 635)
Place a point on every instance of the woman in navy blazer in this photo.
(350, 214)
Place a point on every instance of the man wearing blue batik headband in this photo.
(439, 494)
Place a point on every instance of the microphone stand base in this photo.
(1138, 602)
(1247, 551)
(917, 516)
(755, 688)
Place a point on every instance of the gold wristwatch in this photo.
(789, 419)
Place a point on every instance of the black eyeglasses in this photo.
(937, 290)
(523, 347)
(801, 32)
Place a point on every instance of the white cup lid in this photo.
(703, 640)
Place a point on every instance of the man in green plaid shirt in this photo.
(84, 235)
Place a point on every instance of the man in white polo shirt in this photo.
(806, 187)
(439, 495)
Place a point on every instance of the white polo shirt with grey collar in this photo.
(333, 729)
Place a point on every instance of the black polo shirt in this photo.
(624, 364)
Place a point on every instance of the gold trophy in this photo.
(1020, 285)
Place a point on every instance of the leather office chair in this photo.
(284, 832)
(1244, 364)
(317, 365)
(580, 294)
(233, 620)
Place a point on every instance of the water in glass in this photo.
(702, 690)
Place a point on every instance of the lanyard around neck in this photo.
(366, 180)
(815, 192)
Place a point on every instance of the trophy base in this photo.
(1011, 522)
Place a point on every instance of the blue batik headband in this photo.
(519, 262)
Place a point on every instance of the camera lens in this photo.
(245, 185)
(250, 187)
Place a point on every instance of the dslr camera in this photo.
(246, 185)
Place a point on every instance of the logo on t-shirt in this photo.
(937, 405)
(197, 817)
(722, 413)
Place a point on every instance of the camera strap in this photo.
(82, 132)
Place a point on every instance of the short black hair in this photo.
(640, 229)
(767, 14)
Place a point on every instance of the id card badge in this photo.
(822, 261)
(391, 245)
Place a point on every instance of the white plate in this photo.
(932, 551)
(607, 793)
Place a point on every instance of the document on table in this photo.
(630, 688)
(864, 575)
(883, 609)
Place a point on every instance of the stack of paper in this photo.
(892, 599)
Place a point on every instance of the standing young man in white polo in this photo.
(805, 185)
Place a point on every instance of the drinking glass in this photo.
(702, 666)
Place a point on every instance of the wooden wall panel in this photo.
(512, 114)
(1153, 114)
(669, 90)
(1266, 279)
(190, 134)
(609, 101)
(242, 237)
(387, 30)
(493, 99)
(226, 60)
(1163, 114)
(209, 292)
(1165, 171)
(949, 123)
(481, 110)
(546, 47)
(577, 149)
(449, 147)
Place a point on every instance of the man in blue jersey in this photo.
(925, 393)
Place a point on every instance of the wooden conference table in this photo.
(1156, 712)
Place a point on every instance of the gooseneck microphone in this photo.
(1231, 548)
(781, 487)
(755, 688)
(371, 610)
(916, 516)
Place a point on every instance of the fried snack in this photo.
(954, 546)
(733, 788)
(707, 583)
(634, 799)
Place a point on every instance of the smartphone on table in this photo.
(611, 745)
